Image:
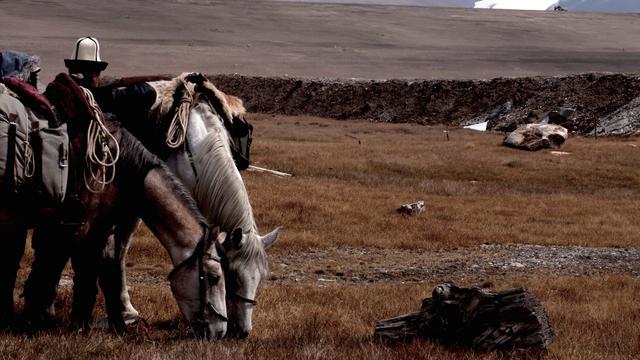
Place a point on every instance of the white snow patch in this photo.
(516, 4)
(478, 127)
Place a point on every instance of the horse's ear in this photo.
(214, 234)
(270, 238)
(221, 238)
(218, 238)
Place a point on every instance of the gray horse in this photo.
(205, 165)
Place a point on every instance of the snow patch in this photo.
(515, 4)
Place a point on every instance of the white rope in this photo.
(100, 159)
(178, 127)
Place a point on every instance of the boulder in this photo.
(537, 136)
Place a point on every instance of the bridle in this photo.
(206, 307)
(244, 299)
(225, 267)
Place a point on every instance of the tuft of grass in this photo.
(514, 164)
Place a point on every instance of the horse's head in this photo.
(246, 267)
(198, 284)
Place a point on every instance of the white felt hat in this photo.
(86, 55)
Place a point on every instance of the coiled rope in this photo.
(178, 127)
(100, 158)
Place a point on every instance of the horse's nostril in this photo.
(220, 334)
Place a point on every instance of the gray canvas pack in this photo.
(31, 153)
(14, 135)
(54, 161)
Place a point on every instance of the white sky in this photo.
(516, 4)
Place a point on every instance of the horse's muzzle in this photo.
(235, 331)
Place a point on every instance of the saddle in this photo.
(175, 96)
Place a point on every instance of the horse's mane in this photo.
(221, 193)
(136, 161)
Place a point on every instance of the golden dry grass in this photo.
(349, 179)
(594, 318)
(351, 176)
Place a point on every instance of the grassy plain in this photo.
(349, 177)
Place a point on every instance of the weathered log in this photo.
(412, 209)
(473, 317)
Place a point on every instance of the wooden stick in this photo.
(269, 171)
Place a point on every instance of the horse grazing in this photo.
(205, 164)
(142, 186)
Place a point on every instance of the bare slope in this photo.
(602, 99)
(321, 40)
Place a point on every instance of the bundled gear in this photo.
(20, 66)
(171, 110)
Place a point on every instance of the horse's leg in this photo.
(123, 239)
(113, 275)
(85, 259)
(52, 246)
(111, 285)
(13, 240)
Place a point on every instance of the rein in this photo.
(197, 255)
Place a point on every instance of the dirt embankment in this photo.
(595, 97)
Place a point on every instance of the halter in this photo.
(225, 267)
(197, 255)
(244, 299)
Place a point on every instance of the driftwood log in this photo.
(412, 209)
(473, 317)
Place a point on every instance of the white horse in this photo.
(206, 167)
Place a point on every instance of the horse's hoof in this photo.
(103, 323)
(80, 325)
(33, 325)
(131, 319)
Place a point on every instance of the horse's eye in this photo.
(213, 279)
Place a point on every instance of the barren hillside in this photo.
(266, 38)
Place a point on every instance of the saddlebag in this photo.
(14, 134)
(52, 161)
(33, 157)
(241, 133)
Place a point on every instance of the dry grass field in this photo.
(349, 177)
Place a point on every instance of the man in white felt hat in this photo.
(85, 64)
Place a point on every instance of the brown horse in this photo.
(142, 187)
